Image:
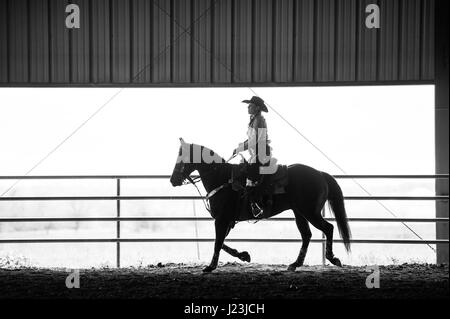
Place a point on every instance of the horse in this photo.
(305, 194)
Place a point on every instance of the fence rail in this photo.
(435, 176)
(118, 218)
(257, 240)
(97, 198)
(128, 219)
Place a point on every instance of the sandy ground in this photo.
(230, 280)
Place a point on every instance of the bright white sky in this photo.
(366, 130)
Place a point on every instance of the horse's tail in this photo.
(336, 202)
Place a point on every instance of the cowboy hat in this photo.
(258, 102)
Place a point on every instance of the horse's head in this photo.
(183, 167)
(190, 156)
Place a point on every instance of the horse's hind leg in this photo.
(244, 256)
(317, 221)
(303, 227)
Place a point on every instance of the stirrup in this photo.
(256, 210)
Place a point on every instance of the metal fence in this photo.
(118, 219)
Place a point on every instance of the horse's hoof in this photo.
(335, 261)
(292, 267)
(208, 269)
(245, 256)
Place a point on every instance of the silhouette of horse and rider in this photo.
(261, 189)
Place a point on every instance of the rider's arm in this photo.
(256, 133)
(242, 146)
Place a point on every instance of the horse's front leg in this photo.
(244, 256)
(221, 233)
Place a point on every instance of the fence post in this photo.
(324, 245)
(118, 226)
(441, 123)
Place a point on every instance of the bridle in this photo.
(194, 180)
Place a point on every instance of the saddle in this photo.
(270, 184)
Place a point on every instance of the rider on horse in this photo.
(260, 152)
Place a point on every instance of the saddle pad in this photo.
(280, 178)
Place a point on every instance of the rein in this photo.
(206, 198)
(210, 194)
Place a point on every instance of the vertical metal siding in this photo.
(161, 42)
(3, 42)
(79, 46)
(262, 41)
(367, 45)
(345, 40)
(120, 46)
(427, 40)
(283, 44)
(222, 42)
(304, 40)
(142, 41)
(59, 43)
(181, 25)
(389, 41)
(410, 40)
(18, 41)
(39, 63)
(202, 46)
(100, 41)
(242, 53)
(325, 41)
(215, 42)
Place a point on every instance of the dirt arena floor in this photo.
(231, 280)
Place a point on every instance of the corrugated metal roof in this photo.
(215, 43)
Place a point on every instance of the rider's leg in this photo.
(253, 189)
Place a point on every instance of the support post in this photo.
(324, 244)
(441, 121)
(118, 226)
(196, 229)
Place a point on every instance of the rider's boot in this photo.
(255, 204)
(254, 198)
